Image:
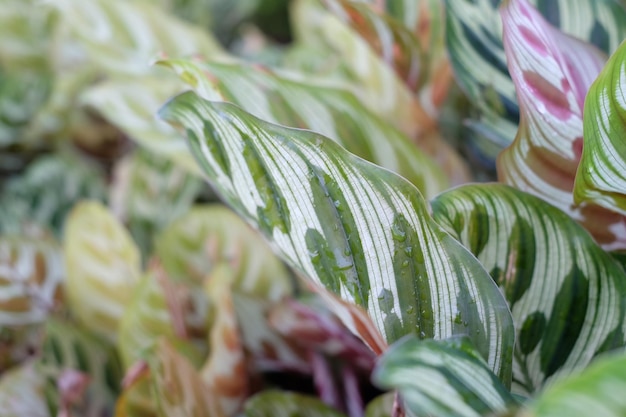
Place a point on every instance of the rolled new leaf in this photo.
(360, 230)
(601, 175)
(442, 378)
(567, 295)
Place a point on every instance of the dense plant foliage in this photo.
(312, 208)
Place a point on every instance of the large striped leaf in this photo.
(567, 296)
(442, 378)
(291, 99)
(474, 33)
(31, 272)
(595, 392)
(103, 267)
(552, 73)
(22, 392)
(601, 175)
(359, 230)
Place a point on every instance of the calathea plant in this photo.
(366, 286)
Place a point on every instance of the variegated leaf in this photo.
(31, 273)
(131, 105)
(594, 392)
(103, 267)
(149, 192)
(70, 348)
(177, 387)
(442, 378)
(601, 177)
(566, 294)
(33, 198)
(155, 312)
(225, 371)
(22, 392)
(125, 36)
(293, 100)
(359, 230)
(552, 73)
(474, 33)
(287, 404)
(209, 235)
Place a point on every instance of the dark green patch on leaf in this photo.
(531, 332)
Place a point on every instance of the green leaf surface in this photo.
(601, 177)
(443, 378)
(22, 392)
(287, 404)
(31, 273)
(566, 294)
(190, 247)
(381, 406)
(294, 100)
(68, 346)
(103, 267)
(552, 73)
(597, 391)
(359, 230)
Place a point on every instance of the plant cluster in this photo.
(331, 208)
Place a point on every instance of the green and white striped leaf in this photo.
(22, 392)
(552, 73)
(359, 230)
(149, 192)
(131, 105)
(442, 378)
(191, 246)
(287, 404)
(102, 264)
(597, 391)
(601, 175)
(123, 37)
(31, 273)
(474, 33)
(70, 347)
(295, 100)
(567, 296)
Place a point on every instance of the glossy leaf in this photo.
(473, 36)
(103, 267)
(294, 100)
(594, 392)
(70, 348)
(209, 235)
(442, 378)
(308, 195)
(287, 404)
(33, 198)
(149, 192)
(566, 294)
(177, 386)
(22, 392)
(600, 177)
(31, 273)
(552, 73)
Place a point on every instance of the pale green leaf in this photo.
(287, 404)
(359, 230)
(597, 391)
(31, 273)
(295, 100)
(552, 73)
(381, 406)
(566, 294)
(102, 265)
(442, 378)
(22, 392)
(601, 177)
